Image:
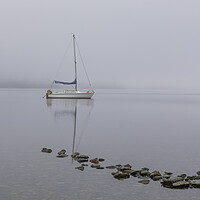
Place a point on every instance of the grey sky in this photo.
(124, 43)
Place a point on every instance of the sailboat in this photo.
(71, 94)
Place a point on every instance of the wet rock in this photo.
(166, 176)
(168, 173)
(45, 150)
(125, 168)
(99, 167)
(84, 165)
(195, 184)
(168, 183)
(157, 178)
(182, 175)
(63, 151)
(193, 178)
(198, 173)
(146, 169)
(135, 173)
(81, 158)
(101, 159)
(95, 165)
(111, 167)
(120, 176)
(127, 165)
(118, 167)
(75, 154)
(95, 161)
(180, 185)
(154, 173)
(81, 168)
(144, 181)
(144, 172)
(62, 155)
(127, 171)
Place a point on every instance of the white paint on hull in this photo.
(70, 94)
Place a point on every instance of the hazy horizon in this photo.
(124, 44)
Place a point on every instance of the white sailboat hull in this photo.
(70, 94)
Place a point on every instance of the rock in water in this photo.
(144, 181)
(95, 165)
(111, 167)
(81, 168)
(180, 185)
(198, 173)
(120, 176)
(195, 184)
(62, 155)
(95, 161)
(63, 151)
(75, 154)
(45, 150)
(168, 183)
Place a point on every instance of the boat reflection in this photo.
(65, 108)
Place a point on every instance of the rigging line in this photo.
(59, 66)
(83, 65)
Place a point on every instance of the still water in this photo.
(145, 129)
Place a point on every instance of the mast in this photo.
(75, 61)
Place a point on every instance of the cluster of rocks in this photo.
(167, 179)
(181, 181)
(84, 158)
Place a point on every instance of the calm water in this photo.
(144, 129)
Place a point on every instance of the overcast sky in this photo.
(124, 43)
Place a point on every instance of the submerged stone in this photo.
(84, 164)
(111, 167)
(99, 167)
(144, 181)
(168, 173)
(80, 168)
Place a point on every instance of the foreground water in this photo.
(145, 129)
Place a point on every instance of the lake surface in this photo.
(157, 130)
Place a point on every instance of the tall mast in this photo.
(75, 61)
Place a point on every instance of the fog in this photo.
(124, 43)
